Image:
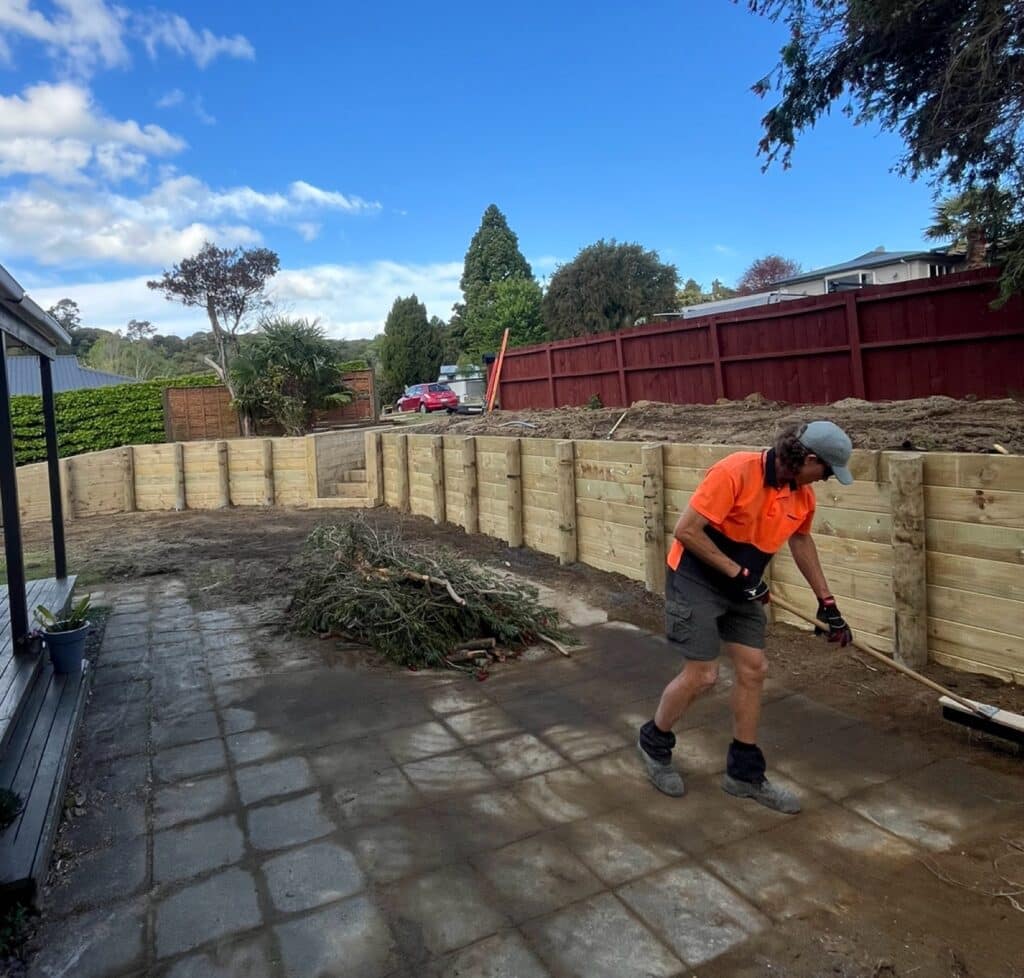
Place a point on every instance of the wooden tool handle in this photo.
(880, 656)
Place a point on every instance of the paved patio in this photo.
(258, 807)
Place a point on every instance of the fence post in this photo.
(179, 477)
(223, 476)
(551, 377)
(565, 454)
(853, 337)
(374, 469)
(437, 477)
(129, 479)
(402, 462)
(514, 493)
(652, 466)
(470, 491)
(716, 357)
(268, 472)
(909, 559)
(622, 370)
(312, 483)
(67, 488)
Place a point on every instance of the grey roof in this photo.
(68, 375)
(872, 259)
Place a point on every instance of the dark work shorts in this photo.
(699, 618)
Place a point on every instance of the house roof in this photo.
(68, 375)
(25, 321)
(871, 259)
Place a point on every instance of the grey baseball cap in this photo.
(832, 445)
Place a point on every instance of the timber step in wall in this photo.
(924, 552)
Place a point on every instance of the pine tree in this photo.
(410, 352)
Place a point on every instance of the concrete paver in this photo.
(268, 814)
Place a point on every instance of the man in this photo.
(747, 506)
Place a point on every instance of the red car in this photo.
(428, 397)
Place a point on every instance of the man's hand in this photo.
(750, 589)
(838, 630)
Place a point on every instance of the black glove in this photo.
(838, 630)
(749, 588)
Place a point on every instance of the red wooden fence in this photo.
(888, 342)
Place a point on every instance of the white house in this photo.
(878, 267)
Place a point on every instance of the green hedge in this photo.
(97, 418)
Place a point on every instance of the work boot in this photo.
(663, 776)
(765, 793)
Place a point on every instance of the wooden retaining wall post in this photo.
(402, 446)
(180, 502)
(470, 490)
(374, 469)
(652, 466)
(437, 477)
(312, 482)
(67, 488)
(565, 454)
(269, 490)
(223, 476)
(909, 559)
(514, 492)
(129, 479)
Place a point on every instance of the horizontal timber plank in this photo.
(997, 649)
(843, 582)
(864, 616)
(608, 451)
(978, 610)
(621, 514)
(623, 472)
(849, 524)
(635, 573)
(975, 540)
(989, 506)
(974, 574)
(963, 660)
(612, 492)
(998, 472)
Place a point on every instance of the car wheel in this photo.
(423, 409)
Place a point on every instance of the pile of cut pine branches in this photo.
(417, 606)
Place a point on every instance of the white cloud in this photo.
(86, 35)
(172, 98)
(306, 193)
(724, 250)
(350, 301)
(159, 29)
(201, 114)
(56, 225)
(60, 159)
(308, 229)
(81, 34)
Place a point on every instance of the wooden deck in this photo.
(39, 717)
(18, 672)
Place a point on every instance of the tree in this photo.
(514, 304)
(763, 273)
(230, 284)
(493, 258)
(67, 314)
(410, 352)
(286, 372)
(975, 221)
(692, 293)
(946, 75)
(607, 286)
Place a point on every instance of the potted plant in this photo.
(65, 637)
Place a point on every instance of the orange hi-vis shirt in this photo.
(750, 515)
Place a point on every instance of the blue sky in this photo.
(362, 142)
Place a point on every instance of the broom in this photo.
(970, 713)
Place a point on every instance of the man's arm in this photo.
(805, 553)
(690, 533)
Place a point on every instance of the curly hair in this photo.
(789, 450)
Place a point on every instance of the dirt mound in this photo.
(931, 424)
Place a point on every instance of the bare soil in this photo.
(933, 424)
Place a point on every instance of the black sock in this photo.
(745, 762)
(656, 743)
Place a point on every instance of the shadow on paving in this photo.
(253, 806)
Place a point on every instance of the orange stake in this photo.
(497, 373)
